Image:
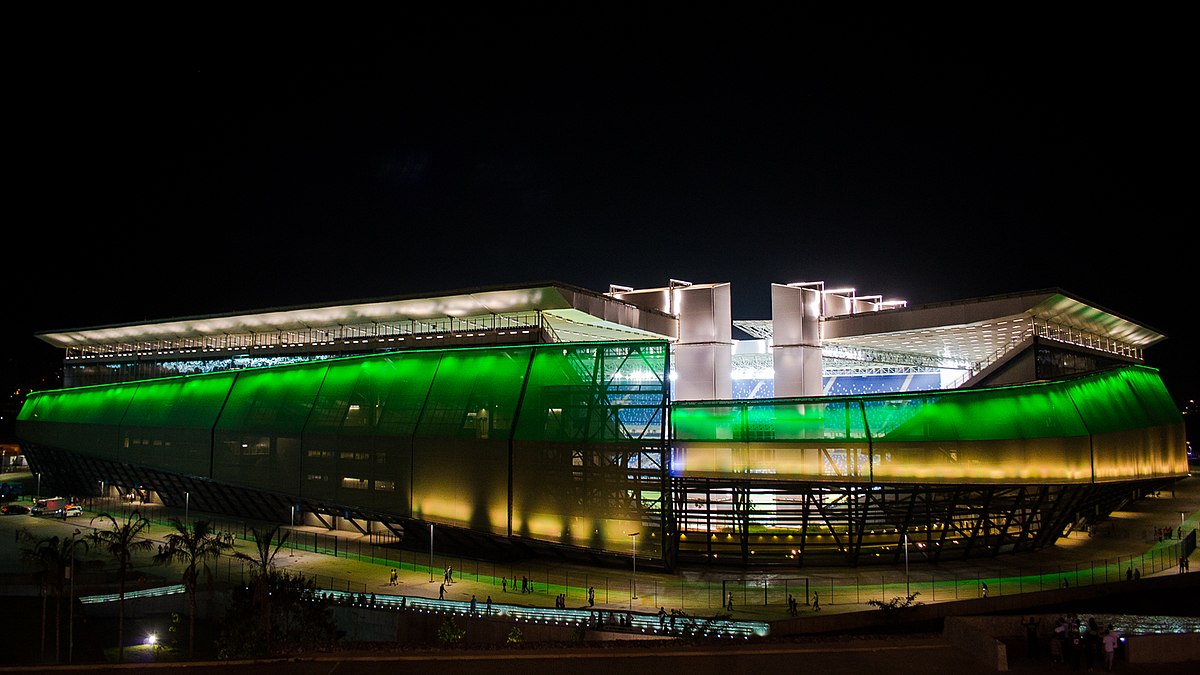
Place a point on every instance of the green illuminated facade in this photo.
(576, 446)
(557, 443)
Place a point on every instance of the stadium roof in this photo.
(956, 333)
(567, 310)
(970, 331)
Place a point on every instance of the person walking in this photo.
(816, 602)
(442, 592)
(503, 584)
(729, 601)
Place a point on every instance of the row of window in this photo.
(352, 483)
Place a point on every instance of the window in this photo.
(355, 483)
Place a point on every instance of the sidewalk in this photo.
(758, 595)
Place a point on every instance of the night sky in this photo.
(174, 165)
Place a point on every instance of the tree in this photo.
(192, 546)
(121, 540)
(262, 565)
(302, 619)
(897, 608)
(52, 556)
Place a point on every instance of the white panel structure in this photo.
(796, 331)
(703, 360)
(703, 355)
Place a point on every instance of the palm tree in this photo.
(121, 540)
(52, 556)
(262, 565)
(264, 559)
(192, 546)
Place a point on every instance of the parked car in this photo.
(15, 509)
(72, 510)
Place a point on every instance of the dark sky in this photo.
(177, 164)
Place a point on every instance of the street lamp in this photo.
(187, 500)
(431, 553)
(39, 490)
(634, 594)
(907, 590)
(293, 537)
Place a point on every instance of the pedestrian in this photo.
(816, 602)
(662, 616)
(1056, 641)
(591, 596)
(442, 592)
(729, 601)
(472, 603)
(1031, 636)
(984, 589)
(450, 573)
(1110, 647)
(1137, 574)
(503, 584)
(489, 605)
(1129, 574)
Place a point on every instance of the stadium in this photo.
(553, 420)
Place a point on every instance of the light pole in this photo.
(431, 553)
(907, 590)
(39, 490)
(634, 596)
(293, 534)
(187, 500)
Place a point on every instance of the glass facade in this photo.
(559, 443)
(571, 444)
(1115, 425)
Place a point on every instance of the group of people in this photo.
(1161, 533)
(526, 584)
(560, 602)
(1075, 641)
(623, 621)
(793, 606)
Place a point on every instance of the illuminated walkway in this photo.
(1125, 542)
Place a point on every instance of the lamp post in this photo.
(431, 553)
(39, 489)
(634, 596)
(187, 500)
(293, 534)
(907, 590)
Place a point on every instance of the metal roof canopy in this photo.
(969, 331)
(566, 309)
